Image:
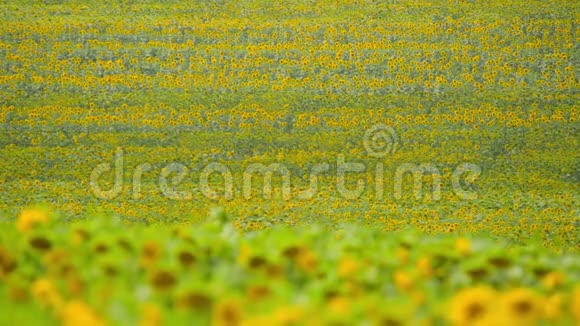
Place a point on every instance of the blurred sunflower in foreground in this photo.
(30, 218)
(473, 306)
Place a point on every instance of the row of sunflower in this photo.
(100, 272)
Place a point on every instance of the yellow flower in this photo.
(553, 307)
(553, 280)
(77, 313)
(44, 291)
(150, 254)
(339, 305)
(307, 261)
(7, 263)
(258, 321)
(472, 306)
(463, 246)
(150, 315)
(195, 301)
(227, 313)
(79, 236)
(424, 266)
(347, 267)
(29, 218)
(521, 306)
(403, 281)
(575, 304)
(186, 258)
(163, 280)
(258, 292)
(289, 315)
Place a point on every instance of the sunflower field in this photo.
(332, 162)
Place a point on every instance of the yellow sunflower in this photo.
(150, 315)
(30, 218)
(288, 315)
(227, 313)
(575, 304)
(521, 306)
(46, 293)
(77, 313)
(150, 254)
(472, 306)
(348, 267)
(463, 246)
(8, 262)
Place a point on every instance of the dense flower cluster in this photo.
(98, 272)
(298, 83)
